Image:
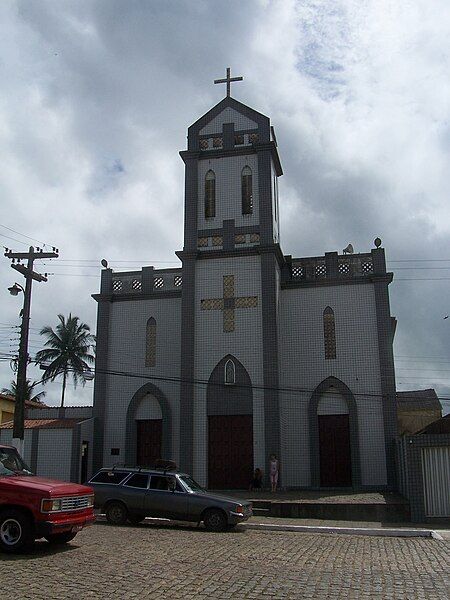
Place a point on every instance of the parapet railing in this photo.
(147, 280)
(334, 266)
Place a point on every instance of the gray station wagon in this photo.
(131, 494)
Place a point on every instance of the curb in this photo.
(427, 533)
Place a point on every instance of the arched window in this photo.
(247, 192)
(150, 343)
(210, 194)
(230, 372)
(329, 333)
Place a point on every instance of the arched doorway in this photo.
(334, 441)
(230, 426)
(148, 428)
(149, 422)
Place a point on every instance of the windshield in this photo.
(191, 484)
(11, 463)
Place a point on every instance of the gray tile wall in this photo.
(303, 367)
(127, 354)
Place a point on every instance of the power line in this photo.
(96, 261)
(223, 385)
(25, 236)
(13, 239)
(72, 275)
(395, 280)
(419, 260)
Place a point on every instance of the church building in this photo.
(242, 351)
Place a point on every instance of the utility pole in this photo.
(29, 274)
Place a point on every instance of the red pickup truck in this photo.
(33, 507)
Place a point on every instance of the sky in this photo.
(96, 100)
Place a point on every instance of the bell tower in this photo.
(232, 166)
(231, 219)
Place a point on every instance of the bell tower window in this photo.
(210, 194)
(247, 192)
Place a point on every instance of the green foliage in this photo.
(68, 352)
(29, 388)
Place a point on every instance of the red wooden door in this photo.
(230, 452)
(149, 438)
(335, 457)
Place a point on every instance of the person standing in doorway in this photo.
(256, 484)
(274, 467)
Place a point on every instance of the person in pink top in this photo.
(274, 466)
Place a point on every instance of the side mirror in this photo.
(172, 484)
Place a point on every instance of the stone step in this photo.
(389, 513)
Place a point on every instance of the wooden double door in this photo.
(335, 452)
(230, 451)
(149, 441)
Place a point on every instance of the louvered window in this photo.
(150, 350)
(247, 191)
(329, 333)
(210, 195)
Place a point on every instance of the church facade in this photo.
(242, 351)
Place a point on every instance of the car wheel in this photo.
(116, 513)
(60, 538)
(135, 519)
(215, 520)
(15, 531)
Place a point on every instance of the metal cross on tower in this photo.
(229, 303)
(228, 79)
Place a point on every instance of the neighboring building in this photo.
(243, 351)
(439, 427)
(7, 404)
(423, 466)
(416, 409)
(57, 441)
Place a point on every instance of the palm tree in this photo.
(29, 387)
(68, 351)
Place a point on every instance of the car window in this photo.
(161, 482)
(11, 463)
(192, 485)
(114, 477)
(138, 480)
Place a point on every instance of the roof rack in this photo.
(159, 465)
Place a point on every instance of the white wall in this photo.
(228, 115)
(54, 453)
(148, 408)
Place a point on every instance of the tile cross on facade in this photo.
(229, 303)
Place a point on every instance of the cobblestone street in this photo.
(179, 562)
